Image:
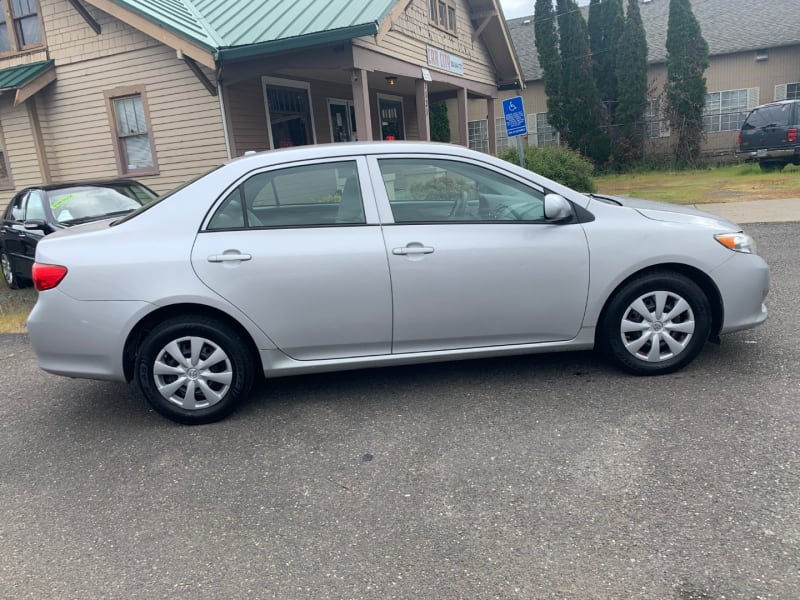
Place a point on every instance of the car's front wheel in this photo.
(656, 324)
(9, 275)
(194, 370)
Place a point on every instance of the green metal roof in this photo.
(241, 28)
(14, 77)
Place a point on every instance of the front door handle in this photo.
(413, 250)
(229, 257)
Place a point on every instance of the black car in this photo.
(36, 211)
(769, 134)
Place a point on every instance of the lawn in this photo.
(724, 184)
(14, 308)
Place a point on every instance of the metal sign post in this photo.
(514, 113)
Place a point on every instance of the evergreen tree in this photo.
(440, 124)
(546, 37)
(580, 103)
(687, 60)
(606, 23)
(631, 66)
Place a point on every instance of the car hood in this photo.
(670, 213)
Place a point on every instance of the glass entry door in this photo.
(343, 120)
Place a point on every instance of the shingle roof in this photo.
(235, 24)
(728, 26)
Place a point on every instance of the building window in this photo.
(390, 109)
(133, 139)
(289, 115)
(442, 13)
(725, 111)
(787, 91)
(478, 134)
(546, 134)
(502, 140)
(20, 26)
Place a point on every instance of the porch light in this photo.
(391, 80)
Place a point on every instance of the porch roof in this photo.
(27, 79)
(237, 29)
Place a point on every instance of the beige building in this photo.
(754, 48)
(163, 91)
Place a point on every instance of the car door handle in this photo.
(218, 258)
(413, 250)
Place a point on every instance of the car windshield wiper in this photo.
(111, 215)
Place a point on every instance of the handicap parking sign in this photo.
(514, 113)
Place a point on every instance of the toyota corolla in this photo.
(344, 256)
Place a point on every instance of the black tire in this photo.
(651, 344)
(10, 276)
(215, 390)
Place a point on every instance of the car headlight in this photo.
(738, 242)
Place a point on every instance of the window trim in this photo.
(116, 138)
(434, 19)
(17, 47)
(718, 115)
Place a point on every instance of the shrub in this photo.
(560, 164)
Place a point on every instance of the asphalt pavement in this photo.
(534, 477)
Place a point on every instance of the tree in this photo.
(440, 124)
(546, 37)
(687, 60)
(580, 103)
(631, 66)
(606, 23)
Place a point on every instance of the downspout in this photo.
(223, 112)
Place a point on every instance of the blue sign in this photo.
(514, 113)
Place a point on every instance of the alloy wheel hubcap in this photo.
(192, 372)
(657, 326)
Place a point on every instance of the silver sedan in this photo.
(344, 256)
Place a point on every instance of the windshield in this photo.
(78, 204)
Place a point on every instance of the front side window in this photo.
(20, 26)
(725, 111)
(134, 147)
(443, 191)
(303, 196)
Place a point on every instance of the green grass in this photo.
(15, 306)
(719, 184)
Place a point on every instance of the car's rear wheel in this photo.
(656, 324)
(769, 166)
(7, 265)
(194, 370)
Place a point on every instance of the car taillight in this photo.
(46, 277)
(740, 140)
(791, 135)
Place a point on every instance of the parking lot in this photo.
(553, 476)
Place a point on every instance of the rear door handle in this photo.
(413, 250)
(228, 257)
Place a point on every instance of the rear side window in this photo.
(775, 115)
(302, 196)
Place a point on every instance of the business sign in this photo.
(514, 112)
(445, 61)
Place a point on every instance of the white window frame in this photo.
(291, 83)
(481, 141)
(751, 101)
(537, 137)
(502, 141)
(782, 91)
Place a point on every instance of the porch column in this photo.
(491, 129)
(361, 105)
(463, 116)
(423, 116)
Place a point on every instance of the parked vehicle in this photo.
(769, 134)
(331, 257)
(38, 211)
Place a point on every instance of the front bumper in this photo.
(743, 282)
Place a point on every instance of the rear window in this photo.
(773, 115)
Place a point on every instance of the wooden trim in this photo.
(90, 21)
(38, 140)
(198, 72)
(33, 86)
(116, 140)
(479, 30)
(391, 19)
(7, 183)
(202, 55)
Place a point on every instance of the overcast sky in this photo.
(523, 8)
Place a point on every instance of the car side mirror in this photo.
(37, 224)
(556, 208)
